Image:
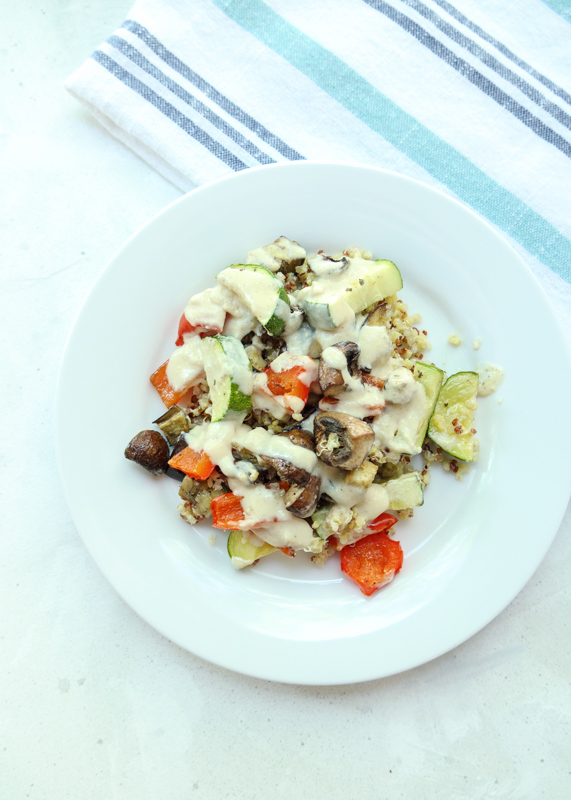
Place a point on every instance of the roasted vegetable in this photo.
(150, 450)
(192, 463)
(372, 562)
(302, 500)
(300, 438)
(331, 379)
(172, 423)
(341, 440)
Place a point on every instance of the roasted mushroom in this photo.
(302, 500)
(287, 471)
(341, 440)
(300, 438)
(331, 379)
(150, 450)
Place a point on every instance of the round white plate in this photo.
(471, 547)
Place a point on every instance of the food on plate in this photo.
(298, 405)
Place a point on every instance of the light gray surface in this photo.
(94, 703)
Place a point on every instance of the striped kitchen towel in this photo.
(471, 97)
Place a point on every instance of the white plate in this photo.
(471, 547)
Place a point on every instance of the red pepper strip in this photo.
(184, 326)
(372, 562)
(372, 381)
(194, 464)
(382, 523)
(288, 551)
(287, 383)
(159, 379)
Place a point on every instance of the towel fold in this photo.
(472, 98)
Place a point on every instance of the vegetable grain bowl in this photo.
(302, 411)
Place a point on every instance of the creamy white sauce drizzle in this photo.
(272, 256)
(206, 309)
(256, 290)
(375, 502)
(216, 439)
(489, 378)
(397, 428)
(375, 345)
(281, 528)
(185, 367)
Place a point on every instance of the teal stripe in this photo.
(561, 7)
(438, 158)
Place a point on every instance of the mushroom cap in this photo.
(150, 450)
(342, 441)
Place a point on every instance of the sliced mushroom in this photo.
(341, 440)
(286, 470)
(302, 500)
(331, 379)
(300, 438)
(150, 450)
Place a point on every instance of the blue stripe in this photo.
(436, 156)
(561, 7)
(137, 58)
(187, 125)
(467, 71)
(490, 61)
(504, 50)
(213, 94)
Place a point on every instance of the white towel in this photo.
(474, 98)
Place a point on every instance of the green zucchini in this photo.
(229, 376)
(452, 421)
(358, 290)
(261, 292)
(242, 552)
(431, 378)
(405, 491)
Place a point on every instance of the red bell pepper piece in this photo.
(227, 512)
(372, 562)
(287, 382)
(382, 523)
(372, 381)
(184, 326)
(194, 464)
(169, 396)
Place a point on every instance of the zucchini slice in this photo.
(358, 290)
(431, 378)
(229, 376)
(243, 552)
(406, 491)
(261, 292)
(452, 422)
(380, 281)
